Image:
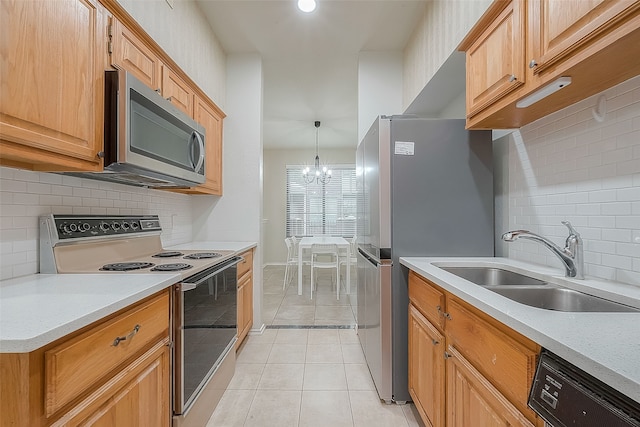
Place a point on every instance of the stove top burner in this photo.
(126, 266)
(172, 267)
(167, 254)
(203, 255)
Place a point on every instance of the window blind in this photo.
(319, 208)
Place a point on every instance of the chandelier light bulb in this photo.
(307, 5)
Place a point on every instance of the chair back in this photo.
(324, 249)
(290, 251)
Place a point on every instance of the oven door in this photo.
(205, 329)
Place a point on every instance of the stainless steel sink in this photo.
(560, 299)
(534, 292)
(491, 276)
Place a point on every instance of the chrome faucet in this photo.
(571, 256)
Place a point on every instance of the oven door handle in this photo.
(188, 285)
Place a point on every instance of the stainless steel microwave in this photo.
(147, 140)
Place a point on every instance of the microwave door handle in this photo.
(195, 136)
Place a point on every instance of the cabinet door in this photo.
(566, 26)
(496, 61)
(426, 368)
(177, 91)
(137, 397)
(245, 306)
(473, 401)
(210, 118)
(51, 98)
(130, 53)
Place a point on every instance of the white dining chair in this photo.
(325, 256)
(292, 260)
(353, 259)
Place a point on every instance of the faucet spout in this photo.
(571, 255)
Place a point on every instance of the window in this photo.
(321, 208)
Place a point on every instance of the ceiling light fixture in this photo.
(307, 5)
(545, 91)
(321, 175)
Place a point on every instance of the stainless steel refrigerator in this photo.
(425, 188)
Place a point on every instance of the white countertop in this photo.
(214, 246)
(606, 345)
(38, 309)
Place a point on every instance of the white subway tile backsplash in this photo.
(568, 166)
(26, 195)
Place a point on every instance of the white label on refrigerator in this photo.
(404, 148)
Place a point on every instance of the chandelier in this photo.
(320, 175)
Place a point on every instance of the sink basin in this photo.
(560, 299)
(534, 292)
(491, 276)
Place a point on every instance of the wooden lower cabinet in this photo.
(426, 368)
(470, 370)
(87, 379)
(245, 296)
(473, 401)
(137, 397)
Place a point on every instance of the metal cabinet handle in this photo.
(533, 63)
(447, 355)
(512, 78)
(170, 98)
(442, 313)
(435, 342)
(131, 334)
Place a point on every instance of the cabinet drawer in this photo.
(428, 299)
(246, 264)
(75, 365)
(502, 358)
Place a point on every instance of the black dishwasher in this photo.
(564, 395)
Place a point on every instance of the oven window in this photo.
(210, 323)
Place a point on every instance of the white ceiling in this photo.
(310, 61)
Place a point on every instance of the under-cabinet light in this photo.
(543, 92)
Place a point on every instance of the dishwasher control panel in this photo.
(564, 395)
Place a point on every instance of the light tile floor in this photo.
(286, 307)
(305, 377)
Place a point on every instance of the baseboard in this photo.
(258, 331)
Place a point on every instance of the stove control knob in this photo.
(65, 229)
(73, 227)
(104, 226)
(85, 226)
(125, 225)
(115, 226)
(134, 225)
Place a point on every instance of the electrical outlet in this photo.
(170, 3)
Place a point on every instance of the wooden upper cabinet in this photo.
(177, 91)
(538, 41)
(52, 84)
(496, 61)
(130, 53)
(566, 26)
(210, 117)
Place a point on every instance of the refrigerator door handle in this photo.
(373, 260)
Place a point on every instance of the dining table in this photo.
(342, 243)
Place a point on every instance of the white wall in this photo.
(186, 36)
(379, 87)
(236, 216)
(275, 193)
(25, 195)
(567, 166)
(442, 28)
